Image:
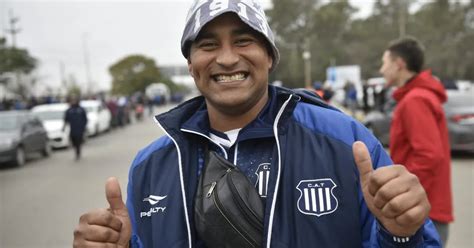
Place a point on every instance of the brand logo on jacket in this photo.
(317, 197)
(153, 200)
(263, 174)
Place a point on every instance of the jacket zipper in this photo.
(250, 216)
(220, 208)
(275, 194)
(181, 179)
(209, 193)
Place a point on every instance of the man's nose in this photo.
(227, 56)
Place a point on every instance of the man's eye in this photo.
(244, 42)
(207, 45)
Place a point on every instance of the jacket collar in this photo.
(422, 80)
(261, 126)
(192, 115)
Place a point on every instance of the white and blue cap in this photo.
(249, 11)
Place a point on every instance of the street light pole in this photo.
(13, 30)
(87, 64)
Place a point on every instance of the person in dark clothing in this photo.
(76, 117)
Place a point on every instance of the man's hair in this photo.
(410, 50)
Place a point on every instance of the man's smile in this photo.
(225, 78)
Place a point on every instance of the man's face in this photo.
(230, 64)
(390, 69)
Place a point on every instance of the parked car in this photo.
(52, 117)
(460, 113)
(459, 110)
(98, 116)
(21, 134)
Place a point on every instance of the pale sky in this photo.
(55, 32)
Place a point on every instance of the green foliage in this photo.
(134, 73)
(448, 41)
(74, 90)
(15, 60)
(337, 38)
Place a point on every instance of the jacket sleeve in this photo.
(422, 131)
(374, 234)
(66, 117)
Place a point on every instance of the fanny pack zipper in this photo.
(253, 219)
(220, 207)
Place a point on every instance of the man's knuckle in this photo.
(107, 217)
(83, 218)
(412, 216)
(394, 206)
(374, 179)
(77, 232)
(107, 234)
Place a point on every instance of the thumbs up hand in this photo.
(105, 227)
(393, 195)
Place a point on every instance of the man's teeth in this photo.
(235, 77)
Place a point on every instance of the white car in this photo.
(52, 117)
(98, 116)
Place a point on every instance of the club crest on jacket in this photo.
(316, 197)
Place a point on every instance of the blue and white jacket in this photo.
(313, 197)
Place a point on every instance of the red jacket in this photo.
(419, 140)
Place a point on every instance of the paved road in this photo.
(41, 202)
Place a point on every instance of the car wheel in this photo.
(20, 157)
(47, 149)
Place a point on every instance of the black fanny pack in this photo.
(228, 211)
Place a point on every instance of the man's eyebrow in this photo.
(238, 31)
(244, 30)
(205, 35)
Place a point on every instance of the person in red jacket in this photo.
(419, 134)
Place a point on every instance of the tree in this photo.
(367, 38)
(291, 20)
(445, 27)
(332, 22)
(309, 26)
(14, 60)
(134, 73)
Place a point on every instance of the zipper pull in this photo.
(209, 193)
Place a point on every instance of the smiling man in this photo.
(230, 63)
(316, 172)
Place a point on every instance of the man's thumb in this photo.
(114, 194)
(362, 159)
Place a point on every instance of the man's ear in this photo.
(400, 63)
(270, 62)
(190, 68)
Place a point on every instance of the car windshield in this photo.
(50, 115)
(9, 122)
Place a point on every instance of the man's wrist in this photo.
(386, 239)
